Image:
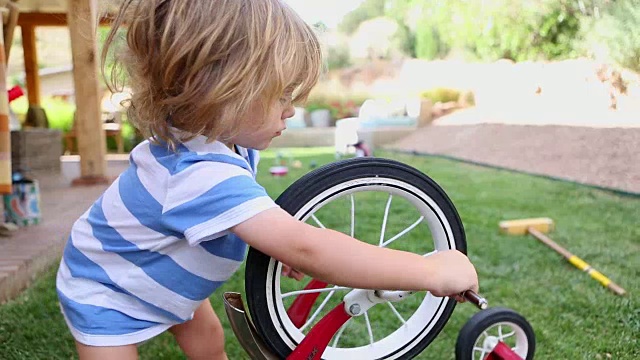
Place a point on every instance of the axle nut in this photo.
(354, 309)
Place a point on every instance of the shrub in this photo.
(338, 57)
(442, 95)
(340, 106)
(616, 33)
(59, 112)
(428, 44)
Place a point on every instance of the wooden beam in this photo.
(31, 64)
(51, 19)
(5, 134)
(9, 27)
(89, 132)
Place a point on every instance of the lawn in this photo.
(573, 316)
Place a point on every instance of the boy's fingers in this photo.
(296, 275)
(288, 271)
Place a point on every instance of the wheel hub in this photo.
(490, 342)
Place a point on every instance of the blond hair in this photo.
(198, 65)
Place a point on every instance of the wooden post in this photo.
(9, 27)
(5, 134)
(31, 63)
(82, 19)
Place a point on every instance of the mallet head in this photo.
(521, 226)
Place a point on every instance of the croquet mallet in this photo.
(537, 227)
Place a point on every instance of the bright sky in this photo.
(329, 12)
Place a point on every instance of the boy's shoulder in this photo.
(188, 154)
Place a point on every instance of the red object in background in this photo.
(362, 149)
(15, 93)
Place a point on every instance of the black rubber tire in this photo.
(308, 187)
(483, 320)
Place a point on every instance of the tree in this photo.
(369, 9)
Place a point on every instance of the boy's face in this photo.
(258, 136)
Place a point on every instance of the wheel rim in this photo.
(511, 334)
(425, 312)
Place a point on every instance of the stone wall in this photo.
(36, 149)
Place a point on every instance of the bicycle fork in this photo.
(355, 303)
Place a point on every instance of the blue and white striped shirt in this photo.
(156, 243)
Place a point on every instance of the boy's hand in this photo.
(451, 273)
(291, 272)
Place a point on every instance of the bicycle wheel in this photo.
(388, 197)
(480, 335)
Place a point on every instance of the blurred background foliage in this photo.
(483, 30)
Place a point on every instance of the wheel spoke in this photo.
(507, 335)
(319, 309)
(353, 216)
(430, 253)
(339, 334)
(400, 234)
(311, 291)
(384, 219)
(315, 218)
(336, 195)
(369, 329)
(395, 311)
(483, 354)
(500, 331)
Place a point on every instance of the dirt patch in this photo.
(608, 157)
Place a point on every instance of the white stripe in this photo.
(90, 292)
(232, 217)
(128, 276)
(199, 145)
(153, 176)
(201, 176)
(195, 260)
(127, 225)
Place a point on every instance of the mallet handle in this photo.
(577, 262)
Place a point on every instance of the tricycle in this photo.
(311, 319)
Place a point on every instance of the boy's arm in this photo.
(341, 260)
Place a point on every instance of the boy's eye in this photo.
(285, 99)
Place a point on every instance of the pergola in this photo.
(81, 17)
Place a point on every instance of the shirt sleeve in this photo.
(208, 198)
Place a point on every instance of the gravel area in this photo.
(608, 157)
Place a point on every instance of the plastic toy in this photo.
(313, 320)
(278, 170)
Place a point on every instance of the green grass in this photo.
(573, 316)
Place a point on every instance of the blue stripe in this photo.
(161, 268)
(165, 157)
(252, 159)
(222, 197)
(176, 162)
(141, 204)
(97, 320)
(81, 266)
(228, 246)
